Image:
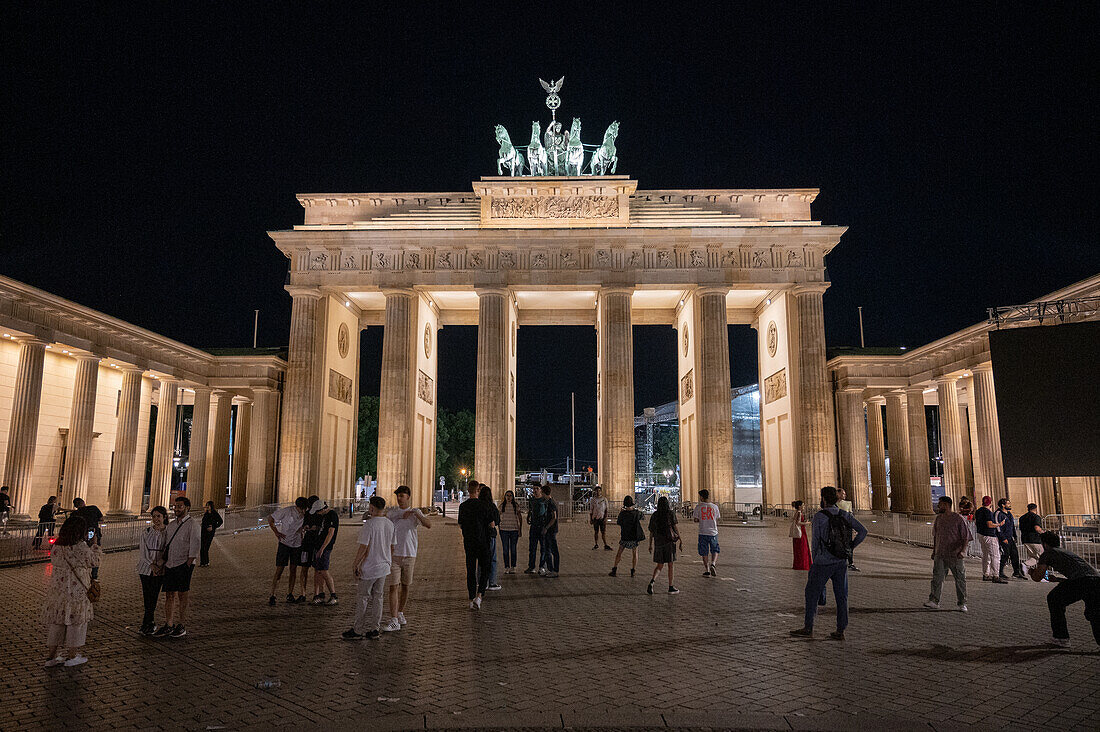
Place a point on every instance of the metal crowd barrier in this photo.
(1079, 533)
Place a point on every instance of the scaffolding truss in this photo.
(1059, 311)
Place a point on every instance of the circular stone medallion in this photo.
(343, 340)
(773, 338)
(427, 340)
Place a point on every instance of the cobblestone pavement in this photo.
(583, 650)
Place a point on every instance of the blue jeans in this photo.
(820, 574)
(492, 560)
(509, 540)
(550, 556)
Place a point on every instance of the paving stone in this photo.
(598, 651)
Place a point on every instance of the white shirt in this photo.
(405, 537)
(707, 514)
(844, 505)
(183, 541)
(377, 535)
(598, 507)
(289, 521)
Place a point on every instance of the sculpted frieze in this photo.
(318, 261)
(760, 259)
(507, 260)
(697, 258)
(603, 257)
(443, 261)
(794, 258)
(554, 207)
(412, 260)
(664, 258)
(474, 260)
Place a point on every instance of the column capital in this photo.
(711, 290)
(945, 379)
(304, 291)
(85, 357)
(126, 369)
(492, 290)
(399, 292)
(914, 390)
(852, 390)
(30, 341)
(808, 288)
(201, 388)
(877, 399)
(986, 367)
(616, 290)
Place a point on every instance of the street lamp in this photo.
(464, 482)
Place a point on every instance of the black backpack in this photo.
(838, 538)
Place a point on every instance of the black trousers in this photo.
(534, 544)
(1068, 592)
(204, 547)
(477, 568)
(43, 527)
(1010, 551)
(150, 593)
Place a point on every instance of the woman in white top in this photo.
(150, 565)
(67, 610)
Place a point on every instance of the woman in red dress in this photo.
(799, 539)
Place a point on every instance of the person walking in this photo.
(706, 514)
(630, 534)
(950, 536)
(966, 510)
(406, 521)
(150, 565)
(211, 521)
(180, 553)
(1082, 582)
(597, 516)
(832, 546)
(322, 555)
(473, 519)
(68, 609)
(985, 523)
(537, 516)
(845, 505)
(290, 531)
(663, 538)
(45, 521)
(1006, 534)
(486, 494)
(800, 539)
(372, 565)
(511, 529)
(1031, 529)
(550, 534)
(5, 507)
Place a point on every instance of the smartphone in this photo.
(91, 534)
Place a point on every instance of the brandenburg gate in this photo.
(521, 251)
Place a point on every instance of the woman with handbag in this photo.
(630, 535)
(70, 594)
(150, 566)
(799, 538)
(663, 538)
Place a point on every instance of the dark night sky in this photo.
(145, 155)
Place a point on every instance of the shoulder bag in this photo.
(92, 589)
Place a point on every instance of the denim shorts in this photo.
(708, 545)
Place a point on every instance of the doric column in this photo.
(616, 383)
(491, 411)
(814, 410)
(853, 449)
(920, 479)
(261, 452)
(975, 473)
(876, 448)
(218, 465)
(238, 495)
(196, 453)
(951, 438)
(302, 408)
(395, 407)
(126, 431)
(23, 427)
(78, 445)
(164, 444)
(989, 435)
(1092, 494)
(713, 394)
(897, 435)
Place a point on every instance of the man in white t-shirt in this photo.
(287, 525)
(372, 566)
(405, 522)
(597, 515)
(706, 514)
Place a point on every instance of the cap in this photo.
(318, 506)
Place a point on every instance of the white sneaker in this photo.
(477, 603)
(472, 605)
(392, 625)
(494, 587)
(77, 660)
(1060, 642)
(542, 571)
(933, 605)
(54, 662)
(401, 618)
(963, 609)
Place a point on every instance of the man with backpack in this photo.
(832, 550)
